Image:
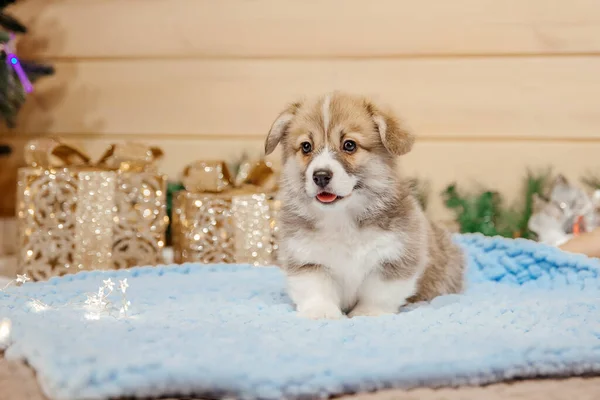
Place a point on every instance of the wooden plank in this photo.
(287, 28)
(500, 166)
(439, 98)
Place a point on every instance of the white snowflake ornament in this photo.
(109, 284)
(123, 285)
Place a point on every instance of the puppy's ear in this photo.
(396, 138)
(279, 127)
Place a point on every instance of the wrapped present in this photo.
(220, 218)
(74, 214)
(567, 212)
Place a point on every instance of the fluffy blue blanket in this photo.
(529, 310)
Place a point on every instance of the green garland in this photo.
(592, 181)
(172, 189)
(485, 212)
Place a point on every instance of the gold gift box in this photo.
(219, 221)
(74, 216)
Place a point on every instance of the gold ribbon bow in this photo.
(215, 177)
(130, 156)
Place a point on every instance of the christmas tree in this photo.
(16, 76)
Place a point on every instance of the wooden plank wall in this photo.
(489, 86)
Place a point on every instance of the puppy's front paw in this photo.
(368, 311)
(320, 310)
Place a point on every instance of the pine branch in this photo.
(591, 181)
(5, 150)
(34, 68)
(534, 184)
(35, 71)
(11, 24)
(172, 189)
(482, 213)
(12, 95)
(486, 214)
(6, 3)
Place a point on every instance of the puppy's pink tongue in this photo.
(326, 197)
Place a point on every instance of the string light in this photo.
(4, 332)
(16, 65)
(96, 304)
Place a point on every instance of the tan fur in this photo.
(389, 206)
(444, 273)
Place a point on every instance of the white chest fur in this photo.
(347, 252)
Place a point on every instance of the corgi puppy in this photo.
(353, 238)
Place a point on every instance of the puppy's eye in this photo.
(306, 147)
(349, 146)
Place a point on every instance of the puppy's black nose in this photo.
(322, 177)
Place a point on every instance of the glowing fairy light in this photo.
(96, 304)
(5, 327)
(92, 316)
(123, 285)
(99, 303)
(38, 306)
(13, 60)
(109, 284)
